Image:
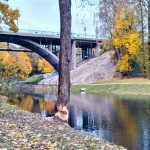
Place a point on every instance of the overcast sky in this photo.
(44, 15)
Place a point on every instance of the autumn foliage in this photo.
(126, 38)
(8, 16)
(44, 66)
(14, 65)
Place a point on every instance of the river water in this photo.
(124, 121)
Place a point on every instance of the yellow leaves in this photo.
(125, 37)
(44, 66)
(17, 65)
(7, 65)
(8, 16)
(123, 19)
(132, 43)
(123, 64)
(129, 41)
(40, 65)
(117, 42)
(24, 65)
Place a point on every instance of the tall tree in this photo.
(126, 38)
(149, 39)
(64, 60)
(8, 16)
(106, 16)
(149, 24)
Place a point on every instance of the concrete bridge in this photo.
(47, 44)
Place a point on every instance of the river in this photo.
(124, 121)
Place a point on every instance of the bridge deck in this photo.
(47, 37)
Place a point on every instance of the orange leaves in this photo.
(17, 65)
(44, 66)
(7, 65)
(24, 65)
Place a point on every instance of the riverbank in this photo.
(117, 87)
(24, 130)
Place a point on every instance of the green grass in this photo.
(115, 88)
(34, 79)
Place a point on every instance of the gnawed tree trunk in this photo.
(64, 60)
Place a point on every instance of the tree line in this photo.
(126, 26)
(20, 65)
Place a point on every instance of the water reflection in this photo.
(35, 104)
(123, 121)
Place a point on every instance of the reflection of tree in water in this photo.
(125, 125)
(47, 107)
(36, 108)
(109, 118)
(25, 102)
(33, 104)
(73, 116)
(141, 111)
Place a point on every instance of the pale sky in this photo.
(44, 15)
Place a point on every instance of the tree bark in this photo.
(149, 37)
(149, 24)
(143, 42)
(64, 60)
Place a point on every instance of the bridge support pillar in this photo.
(73, 62)
(98, 50)
(50, 46)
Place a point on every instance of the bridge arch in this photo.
(33, 46)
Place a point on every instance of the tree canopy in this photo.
(8, 16)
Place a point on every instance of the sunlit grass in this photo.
(128, 80)
(118, 88)
(34, 79)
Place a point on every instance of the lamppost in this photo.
(85, 30)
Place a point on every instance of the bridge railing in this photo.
(57, 34)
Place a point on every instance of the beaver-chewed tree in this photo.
(64, 60)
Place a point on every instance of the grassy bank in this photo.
(115, 88)
(34, 79)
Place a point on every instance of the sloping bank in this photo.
(114, 88)
(24, 130)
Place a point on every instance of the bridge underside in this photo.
(33, 46)
(48, 46)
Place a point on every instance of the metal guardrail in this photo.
(38, 32)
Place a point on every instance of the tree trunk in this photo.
(149, 38)
(149, 24)
(64, 60)
(143, 43)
